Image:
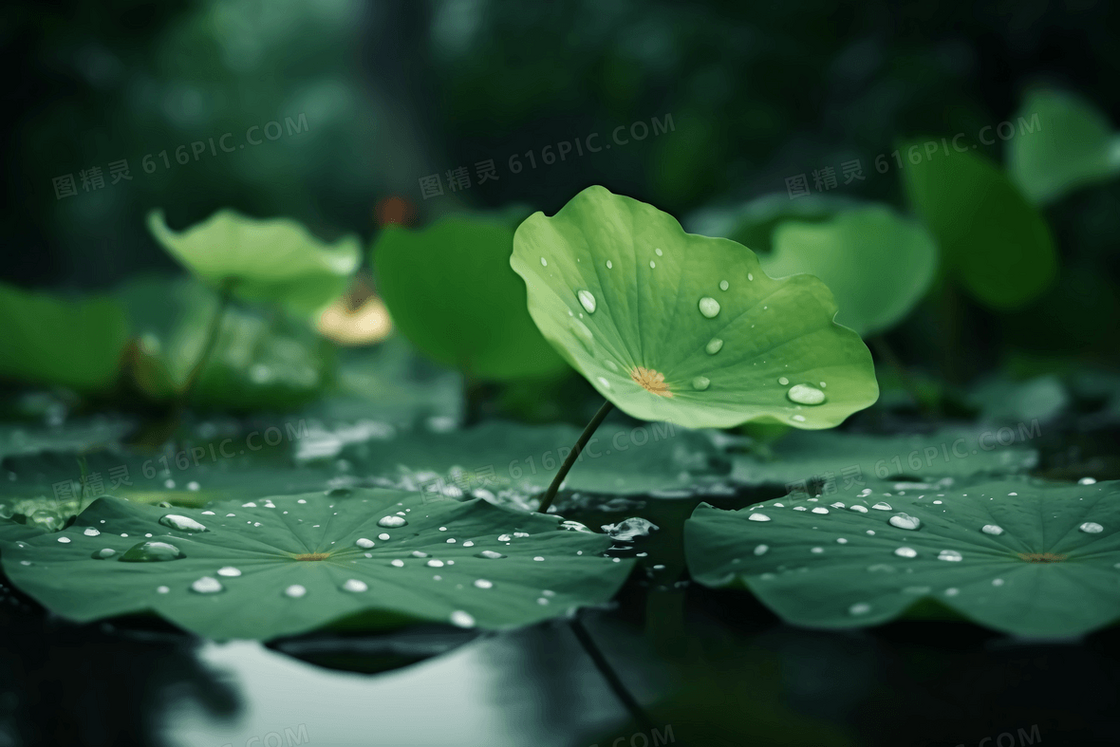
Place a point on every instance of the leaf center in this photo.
(651, 381)
(312, 556)
(1041, 557)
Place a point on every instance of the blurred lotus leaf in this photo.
(450, 291)
(274, 260)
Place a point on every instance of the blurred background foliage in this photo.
(371, 98)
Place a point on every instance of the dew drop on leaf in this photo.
(761, 549)
(355, 585)
(462, 619)
(783, 381)
(587, 301)
(582, 333)
(882, 506)
(905, 521)
(758, 517)
(803, 394)
(820, 510)
(364, 543)
(393, 522)
(700, 383)
(295, 591)
(906, 552)
(108, 552)
(714, 346)
(229, 572)
(544, 262)
(861, 608)
(482, 583)
(182, 523)
(64, 540)
(1091, 527)
(709, 307)
(91, 532)
(152, 552)
(609, 265)
(992, 529)
(206, 585)
(724, 285)
(951, 555)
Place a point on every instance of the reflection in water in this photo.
(63, 684)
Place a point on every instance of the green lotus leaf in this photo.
(877, 264)
(1074, 146)
(259, 361)
(450, 290)
(275, 260)
(500, 456)
(50, 341)
(13, 531)
(842, 460)
(1028, 560)
(284, 565)
(989, 234)
(684, 328)
(753, 223)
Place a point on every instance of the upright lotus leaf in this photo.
(877, 264)
(450, 290)
(752, 224)
(49, 341)
(1024, 559)
(989, 234)
(684, 328)
(275, 260)
(1068, 144)
(289, 564)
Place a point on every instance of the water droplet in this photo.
(657, 252)
(714, 346)
(816, 550)
(611, 365)
(91, 532)
(861, 608)
(798, 418)
(393, 522)
(951, 555)
(397, 563)
(544, 262)
(582, 333)
(906, 552)
(383, 536)
(355, 585)
(881, 506)
(609, 265)
(652, 264)
(724, 285)
(229, 572)
(750, 276)
(493, 555)
(997, 582)
(483, 583)
(820, 510)
(905, 521)
(504, 537)
(603, 382)
(64, 540)
(538, 558)
(709, 307)
(152, 552)
(1091, 527)
(462, 619)
(700, 383)
(182, 523)
(207, 585)
(108, 552)
(587, 301)
(991, 529)
(803, 394)
(951, 592)
(433, 563)
(761, 549)
(861, 509)
(1087, 481)
(783, 381)
(295, 591)
(755, 516)
(163, 589)
(364, 543)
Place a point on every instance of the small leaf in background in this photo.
(684, 328)
(752, 224)
(989, 234)
(1019, 558)
(270, 567)
(274, 260)
(451, 292)
(1069, 144)
(877, 264)
(51, 341)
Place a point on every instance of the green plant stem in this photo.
(574, 455)
(613, 680)
(213, 332)
(886, 352)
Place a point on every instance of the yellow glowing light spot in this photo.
(357, 318)
(651, 381)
